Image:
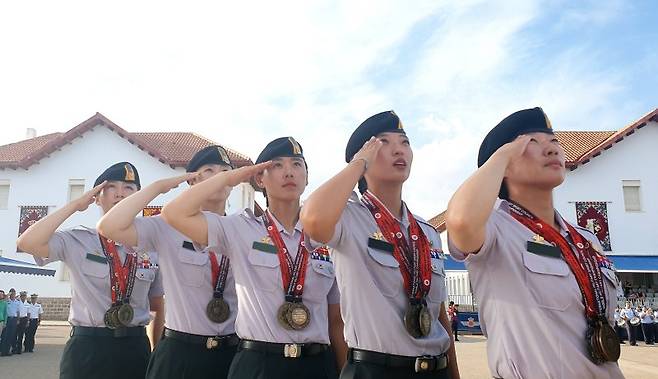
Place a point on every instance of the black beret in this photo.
(380, 123)
(518, 123)
(214, 154)
(122, 171)
(280, 147)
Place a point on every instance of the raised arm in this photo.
(118, 223)
(472, 204)
(184, 212)
(35, 239)
(322, 210)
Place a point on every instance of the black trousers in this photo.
(647, 330)
(20, 333)
(249, 364)
(8, 335)
(176, 359)
(366, 370)
(632, 333)
(455, 328)
(105, 358)
(30, 332)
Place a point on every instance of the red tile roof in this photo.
(439, 222)
(580, 148)
(577, 143)
(172, 148)
(615, 137)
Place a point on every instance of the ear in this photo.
(258, 178)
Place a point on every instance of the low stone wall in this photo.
(55, 308)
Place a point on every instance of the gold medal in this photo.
(424, 321)
(411, 320)
(298, 316)
(218, 310)
(281, 315)
(604, 343)
(124, 315)
(108, 318)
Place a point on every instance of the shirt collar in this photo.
(281, 229)
(503, 205)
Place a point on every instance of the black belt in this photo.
(87, 331)
(288, 350)
(423, 363)
(211, 342)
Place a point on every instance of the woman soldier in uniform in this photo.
(113, 287)
(388, 261)
(200, 339)
(524, 258)
(288, 310)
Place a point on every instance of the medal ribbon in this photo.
(122, 277)
(219, 273)
(293, 274)
(414, 258)
(584, 262)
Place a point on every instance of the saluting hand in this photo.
(88, 198)
(166, 185)
(369, 151)
(244, 174)
(514, 149)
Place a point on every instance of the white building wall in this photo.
(633, 158)
(47, 183)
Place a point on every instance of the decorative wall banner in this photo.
(593, 215)
(151, 211)
(30, 214)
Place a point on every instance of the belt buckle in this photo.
(425, 363)
(120, 332)
(213, 343)
(292, 350)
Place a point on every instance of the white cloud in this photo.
(243, 73)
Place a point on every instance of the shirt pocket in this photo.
(192, 268)
(144, 277)
(320, 280)
(386, 272)
(438, 290)
(266, 273)
(547, 279)
(95, 270)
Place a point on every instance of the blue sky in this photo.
(243, 74)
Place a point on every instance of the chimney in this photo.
(30, 133)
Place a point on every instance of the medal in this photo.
(293, 314)
(282, 315)
(108, 318)
(585, 264)
(603, 342)
(424, 321)
(218, 310)
(122, 282)
(411, 318)
(124, 314)
(298, 316)
(414, 258)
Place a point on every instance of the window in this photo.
(76, 188)
(4, 193)
(632, 195)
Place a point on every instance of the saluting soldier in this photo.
(288, 310)
(113, 286)
(524, 258)
(388, 261)
(200, 339)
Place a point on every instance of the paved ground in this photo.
(639, 362)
